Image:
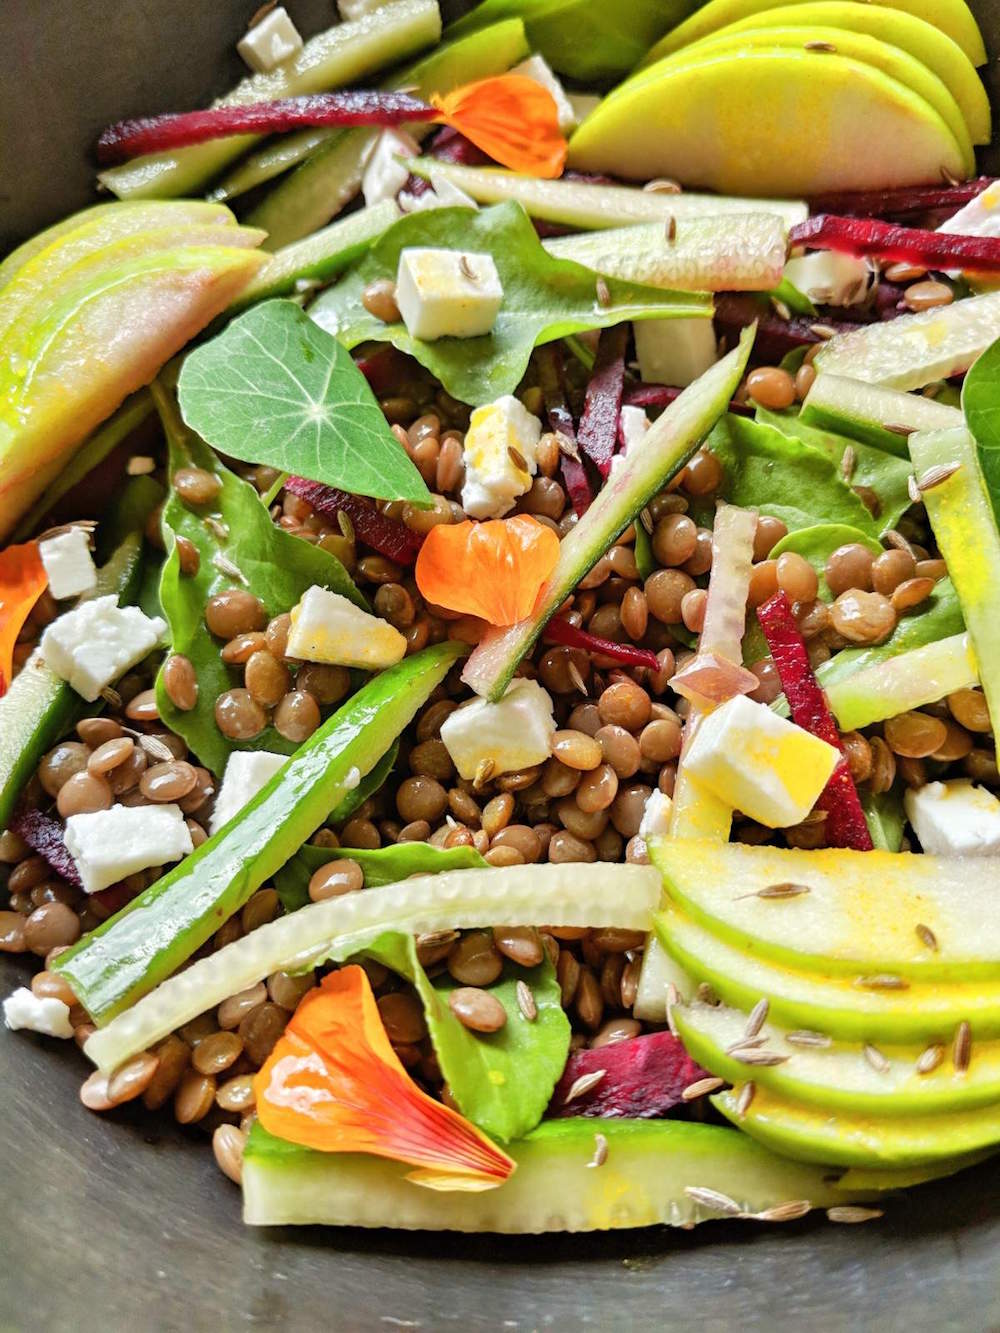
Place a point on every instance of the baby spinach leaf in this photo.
(275, 388)
(885, 817)
(817, 544)
(238, 535)
(981, 405)
(884, 473)
(543, 299)
(384, 865)
(766, 470)
(502, 1081)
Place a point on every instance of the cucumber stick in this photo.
(331, 176)
(150, 938)
(910, 680)
(868, 413)
(622, 896)
(644, 1181)
(346, 53)
(666, 447)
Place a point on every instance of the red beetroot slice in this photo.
(598, 431)
(45, 836)
(643, 1078)
(550, 378)
(385, 535)
(900, 199)
(452, 146)
(894, 244)
(383, 369)
(776, 337)
(845, 820)
(561, 631)
(155, 134)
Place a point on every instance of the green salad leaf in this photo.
(501, 1081)
(817, 544)
(885, 817)
(273, 564)
(884, 473)
(543, 299)
(275, 388)
(383, 865)
(981, 405)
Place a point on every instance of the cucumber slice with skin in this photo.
(858, 914)
(918, 1011)
(738, 252)
(867, 412)
(592, 207)
(650, 1166)
(839, 1077)
(666, 447)
(347, 53)
(622, 896)
(914, 350)
(962, 519)
(921, 676)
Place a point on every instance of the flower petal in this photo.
(511, 118)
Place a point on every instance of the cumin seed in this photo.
(784, 1212)
(603, 293)
(584, 1084)
(823, 331)
(812, 1040)
(913, 489)
(926, 936)
(948, 177)
(567, 446)
(787, 890)
(112, 698)
(708, 1198)
(826, 47)
(848, 461)
(897, 428)
(700, 1087)
(780, 308)
(852, 1214)
(745, 1044)
(961, 1050)
(930, 1059)
(484, 771)
(747, 1093)
(216, 527)
(898, 541)
(600, 1151)
(765, 1059)
(934, 476)
(883, 981)
(232, 571)
(467, 270)
(517, 458)
(433, 938)
(670, 229)
(875, 1058)
(758, 1017)
(156, 749)
(575, 675)
(526, 1001)
(662, 186)
(705, 994)
(345, 525)
(646, 519)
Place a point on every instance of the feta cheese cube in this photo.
(110, 844)
(514, 733)
(384, 174)
(655, 822)
(979, 217)
(830, 278)
(98, 641)
(23, 1009)
(760, 763)
(493, 481)
(447, 293)
(351, 10)
(270, 42)
(536, 69)
(955, 818)
(247, 772)
(674, 351)
(68, 563)
(328, 628)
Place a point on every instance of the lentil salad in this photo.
(750, 553)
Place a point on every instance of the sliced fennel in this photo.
(623, 896)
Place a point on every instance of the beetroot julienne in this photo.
(560, 419)
(776, 337)
(45, 836)
(597, 434)
(900, 199)
(561, 631)
(450, 145)
(644, 1077)
(386, 535)
(155, 134)
(845, 820)
(662, 395)
(894, 244)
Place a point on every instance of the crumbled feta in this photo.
(674, 351)
(536, 69)
(385, 175)
(351, 10)
(270, 42)
(447, 293)
(68, 563)
(655, 822)
(110, 844)
(955, 818)
(513, 734)
(760, 763)
(328, 628)
(97, 642)
(247, 771)
(979, 217)
(442, 194)
(23, 1009)
(493, 480)
(633, 424)
(830, 278)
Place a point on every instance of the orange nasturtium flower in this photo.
(334, 1083)
(511, 118)
(493, 570)
(22, 582)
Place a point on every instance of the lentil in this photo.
(576, 750)
(62, 763)
(763, 582)
(911, 593)
(195, 486)
(172, 1057)
(703, 474)
(928, 295)
(771, 387)
(421, 798)
(968, 707)
(849, 566)
(675, 539)
(131, 1079)
(238, 716)
(915, 735)
(693, 609)
(665, 590)
(379, 299)
(403, 1017)
(110, 755)
(565, 846)
(361, 833)
(236, 1095)
(194, 1097)
(82, 794)
(143, 707)
(232, 1011)
(477, 1009)
(796, 577)
(863, 617)
(521, 944)
(169, 781)
(769, 532)
(475, 961)
(260, 1030)
(49, 926)
(94, 731)
(627, 809)
(597, 789)
(522, 838)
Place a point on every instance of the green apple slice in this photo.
(869, 412)
(857, 912)
(867, 1007)
(813, 1135)
(865, 1179)
(822, 122)
(839, 1076)
(909, 680)
(954, 18)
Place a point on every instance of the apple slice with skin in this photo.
(854, 912)
(68, 372)
(868, 1006)
(839, 1077)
